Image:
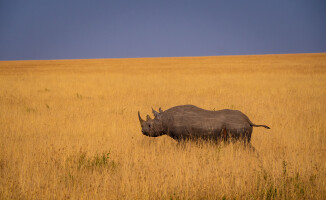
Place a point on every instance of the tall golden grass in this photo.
(69, 128)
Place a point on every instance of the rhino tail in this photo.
(252, 124)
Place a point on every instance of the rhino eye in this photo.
(149, 125)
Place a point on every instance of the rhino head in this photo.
(151, 127)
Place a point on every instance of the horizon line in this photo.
(118, 58)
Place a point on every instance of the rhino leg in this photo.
(224, 134)
(248, 134)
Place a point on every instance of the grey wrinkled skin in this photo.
(188, 122)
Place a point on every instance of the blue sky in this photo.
(71, 29)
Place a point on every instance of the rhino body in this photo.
(190, 122)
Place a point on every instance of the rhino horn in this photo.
(140, 119)
(160, 110)
(148, 118)
(155, 113)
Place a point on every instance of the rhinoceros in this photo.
(188, 122)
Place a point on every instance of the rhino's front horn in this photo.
(140, 119)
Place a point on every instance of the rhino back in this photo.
(189, 119)
(194, 114)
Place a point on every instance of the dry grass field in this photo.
(69, 128)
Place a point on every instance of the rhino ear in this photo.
(156, 114)
(160, 110)
(148, 118)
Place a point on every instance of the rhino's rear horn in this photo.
(148, 118)
(140, 119)
(160, 110)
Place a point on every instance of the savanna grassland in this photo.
(69, 128)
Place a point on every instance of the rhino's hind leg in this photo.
(247, 135)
